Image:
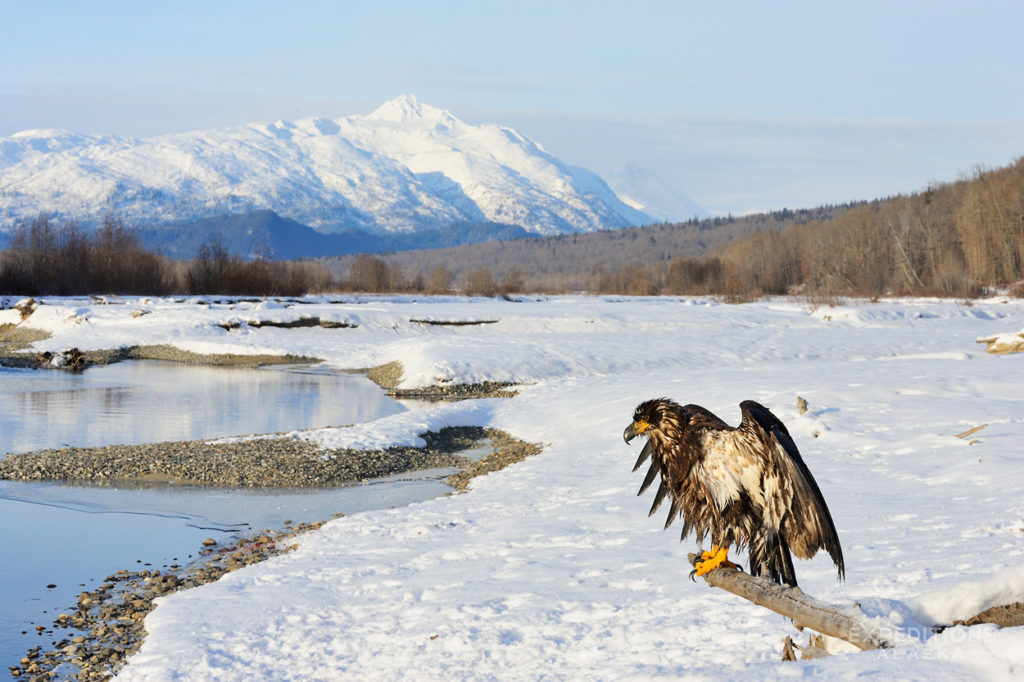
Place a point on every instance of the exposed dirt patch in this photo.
(15, 340)
(302, 322)
(1005, 616)
(390, 375)
(452, 323)
(486, 389)
(164, 352)
(386, 376)
(15, 337)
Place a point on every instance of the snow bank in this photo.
(970, 597)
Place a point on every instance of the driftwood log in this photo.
(805, 611)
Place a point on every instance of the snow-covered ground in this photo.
(551, 568)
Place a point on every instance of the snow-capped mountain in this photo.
(404, 168)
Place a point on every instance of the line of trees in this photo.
(370, 273)
(578, 262)
(215, 270)
(42, 257)
(950, 240)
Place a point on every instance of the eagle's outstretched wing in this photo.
(807, 525)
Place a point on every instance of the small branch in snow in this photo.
(970, 431)
(804, 610)
(815, 648)
(452, 323)
(1004, 343)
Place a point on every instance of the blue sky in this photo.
(741, 106)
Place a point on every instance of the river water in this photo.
(58, 540)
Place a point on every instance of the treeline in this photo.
(577, 262)
(44, 258)
(954, 239)
(374, 274)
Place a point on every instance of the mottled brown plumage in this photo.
(746, 486)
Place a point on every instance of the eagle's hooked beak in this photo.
(634, 430)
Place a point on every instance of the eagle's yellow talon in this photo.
(719, 556)
(707, 555)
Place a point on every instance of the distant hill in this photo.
(570, 262)
(266, 234)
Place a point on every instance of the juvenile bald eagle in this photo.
(746, 486)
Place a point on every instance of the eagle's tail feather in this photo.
(772, 559)
(785, 563)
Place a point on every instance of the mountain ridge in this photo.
(264, 234)
(408, 167)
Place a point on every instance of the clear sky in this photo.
(741, 106)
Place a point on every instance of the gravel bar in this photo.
(258, 462)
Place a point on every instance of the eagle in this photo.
(746, 485)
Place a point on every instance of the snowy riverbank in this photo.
(551, 568)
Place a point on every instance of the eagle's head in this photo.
(650, 417)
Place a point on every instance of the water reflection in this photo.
(151, 401)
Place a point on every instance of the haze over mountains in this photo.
(404, 176)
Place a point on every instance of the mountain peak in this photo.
(41, 133)
(405, 108)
